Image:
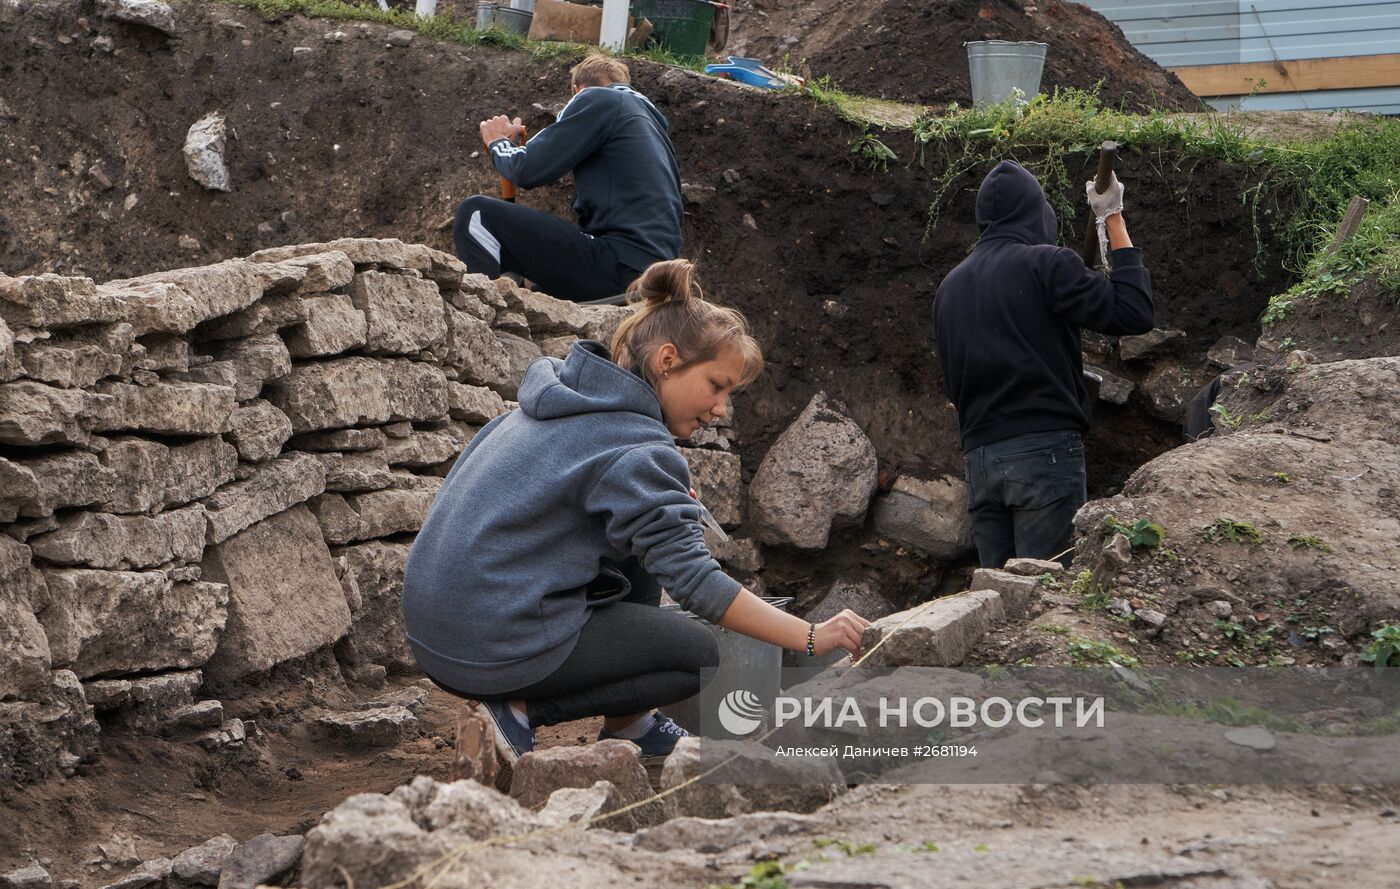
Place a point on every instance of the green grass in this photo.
(449, 29)
(1089, 651)
(1373, 251)
(1313, 179)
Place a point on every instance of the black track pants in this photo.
(495, 236)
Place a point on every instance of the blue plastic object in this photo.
(748, 71)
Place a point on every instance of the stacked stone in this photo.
(208, 472)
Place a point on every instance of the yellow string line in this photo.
(445, 861)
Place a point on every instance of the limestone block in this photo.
(356, 472)
(378, 633)
(1018, 592)
(50, 301)
(474, 353)
(940, 636)
(101, 623)
(404, 315)
(78, 359)
(24, 649)
(339, 440)
(715, 477)
(258, 430)
(284, 598)
(817, 476)
(148, 476)
(168, 408)
(541, 772)
(273, 487)
(333, 325)
(358, 391)
(37, 414)
(176, 301)
(474, 404)
(103, 540)
(18, 488)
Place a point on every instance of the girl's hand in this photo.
(842, 631)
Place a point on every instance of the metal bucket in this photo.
(999, 67)
(485, 15)
(749, 676)
(517, 21)
(526, 5)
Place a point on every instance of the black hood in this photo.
(1011, 204)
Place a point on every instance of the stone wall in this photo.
(208, 472)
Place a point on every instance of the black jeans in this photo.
(495, 236)
(1022, 494)
(631, 656)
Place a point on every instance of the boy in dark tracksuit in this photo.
(628, 192)
(1007, 322)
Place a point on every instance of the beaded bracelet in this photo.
(811, 640)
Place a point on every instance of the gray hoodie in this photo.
(545, 499)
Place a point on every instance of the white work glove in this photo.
(1106, 204)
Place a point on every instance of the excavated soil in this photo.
(912, 50)
(355, 138)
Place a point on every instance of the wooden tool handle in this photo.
(1108, 155)
(508, 187)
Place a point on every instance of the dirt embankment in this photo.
(334, 133)
(912, 50)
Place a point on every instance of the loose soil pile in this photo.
(913, 49)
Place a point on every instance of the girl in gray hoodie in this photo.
(534, 584)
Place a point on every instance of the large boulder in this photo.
(928, 514)
(285, 600)
(818, 475)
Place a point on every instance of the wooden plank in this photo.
(1300, 75)
(614, 29)
(1351, 221)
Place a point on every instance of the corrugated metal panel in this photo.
(1381, 100)
(1182, 33)
(1213, 32)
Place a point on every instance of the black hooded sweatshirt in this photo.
(1007, 319)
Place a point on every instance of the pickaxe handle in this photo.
(508, 187)
(1108, 155)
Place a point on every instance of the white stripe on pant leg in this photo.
(488, 241)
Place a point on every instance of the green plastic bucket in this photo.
(681, 26)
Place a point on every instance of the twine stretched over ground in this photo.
(443, 863)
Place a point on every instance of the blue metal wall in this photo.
(1179, 33)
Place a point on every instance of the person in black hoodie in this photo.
(627, 192)
(1007, 323)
